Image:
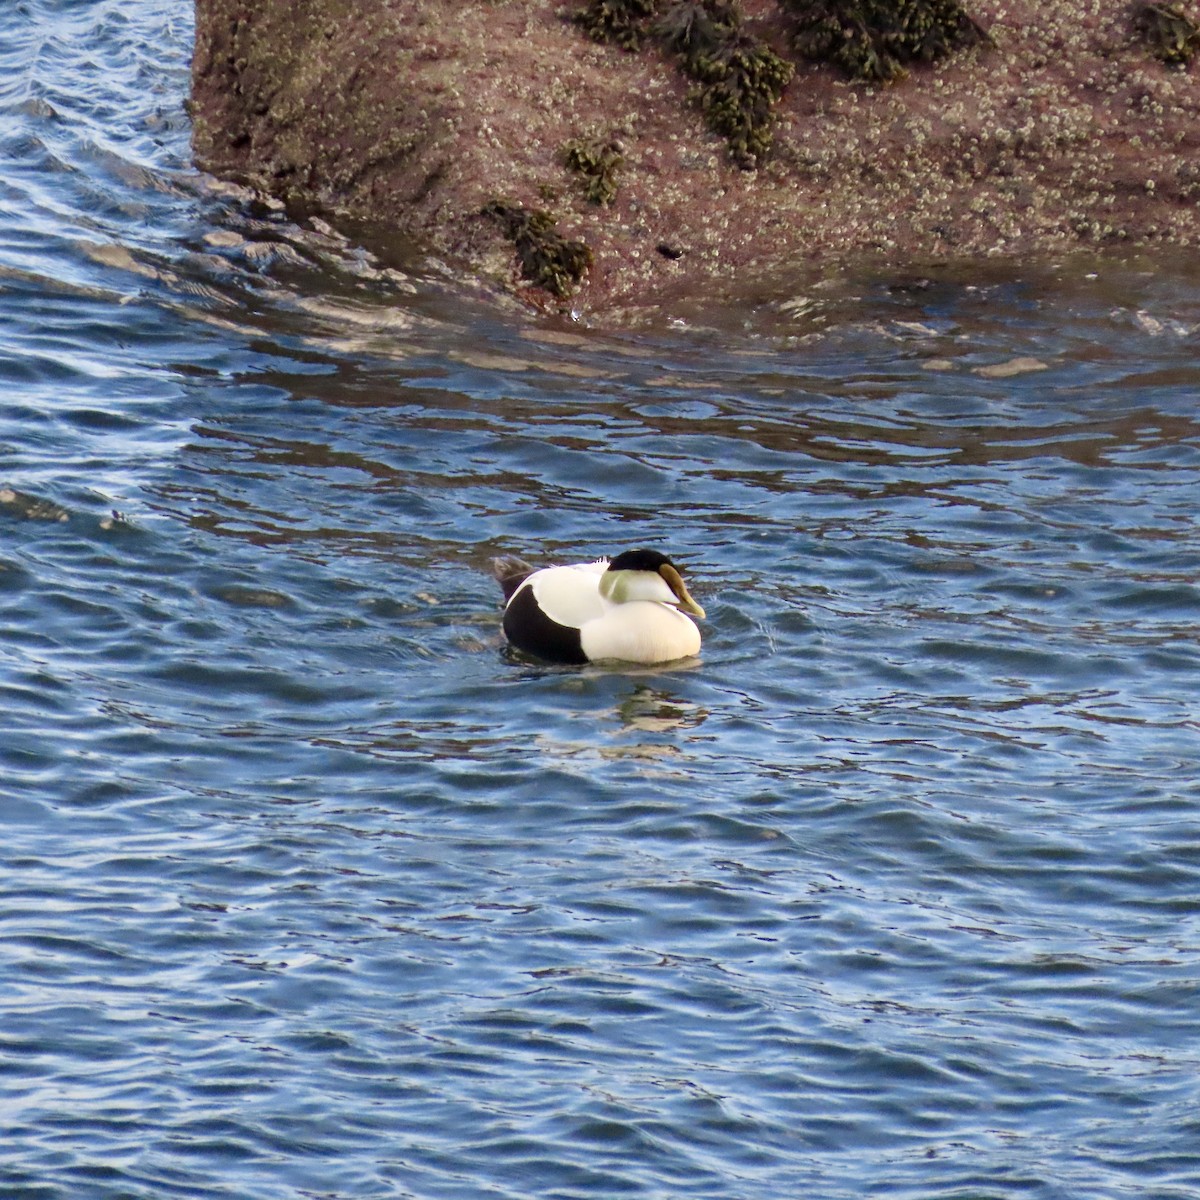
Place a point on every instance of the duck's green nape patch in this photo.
(875, 39)
(1173, 37)
(548, 260)
(596, 161)
(739, 77)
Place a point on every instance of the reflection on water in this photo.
(651, 711)
(648, 725)
(313, 887)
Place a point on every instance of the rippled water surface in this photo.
(310, 888)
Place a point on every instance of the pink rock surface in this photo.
(410, 115)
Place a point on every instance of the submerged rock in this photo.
(1063, 128)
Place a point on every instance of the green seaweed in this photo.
(875, 39)
(596, 160)
(1173, 37)
(743, 80)
(694, 29)
(548, 260)
(740, 77)
(622, 22)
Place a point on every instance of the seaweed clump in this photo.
(742, 81)
(548, 260)
(875, 39)
(1172, 35)
(596, 160)
(693, 29)
(740, 78)
(621, 22)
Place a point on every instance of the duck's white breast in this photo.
(641, 631)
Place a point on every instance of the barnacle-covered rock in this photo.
(398, 123)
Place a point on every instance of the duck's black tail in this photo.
(510, 573)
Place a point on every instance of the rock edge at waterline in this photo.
(1061, 131)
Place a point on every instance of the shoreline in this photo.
(1063, 134)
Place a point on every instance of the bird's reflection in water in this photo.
(648, 725)
(655, 710)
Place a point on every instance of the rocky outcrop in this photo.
(449, 119)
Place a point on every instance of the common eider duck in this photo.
(630, 608)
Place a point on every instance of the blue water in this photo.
(312, 889)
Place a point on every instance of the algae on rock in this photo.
(874, 39)
(693, 29)
(622, 22)
(596, 160)
(548, 260)
(740, 78)
(1171, 34)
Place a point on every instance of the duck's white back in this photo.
(570, 595)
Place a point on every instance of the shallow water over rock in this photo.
(311, 888)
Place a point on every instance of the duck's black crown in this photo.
(639, 560)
